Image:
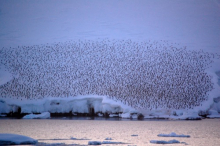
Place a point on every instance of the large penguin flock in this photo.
(144, 75)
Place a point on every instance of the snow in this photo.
(26, 23)
(164, 142)
(213, 114)
(190, 115)
(5, 75)
(173, 134)
(15, 139)
(100, 104)
(45, 115)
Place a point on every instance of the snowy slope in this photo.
(194, 24)
(44, 24)
(5, 75)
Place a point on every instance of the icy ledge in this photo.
(80, 104)
(95, 105)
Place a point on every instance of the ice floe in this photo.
(15, 139)
(173, 134)
(164, 142)
(73, 138)
(111, 142)
(94, 143)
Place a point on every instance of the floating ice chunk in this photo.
(113, 115)
(94, 143)
(44, 115)
(164, 142)
(73, 138)
(50, 144)
(172, 135)
(111, 142)
(100, 114)
(108, 138)
(15, 139)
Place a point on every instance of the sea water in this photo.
(204, 132)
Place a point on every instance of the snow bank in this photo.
(45, 115)
(164, 142)
(15, 139)
(172, 135)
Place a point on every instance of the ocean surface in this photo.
(66, 131)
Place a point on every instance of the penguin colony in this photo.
(144, 75)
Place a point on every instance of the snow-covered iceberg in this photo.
(15, 139)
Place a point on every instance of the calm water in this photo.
(203, 133)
